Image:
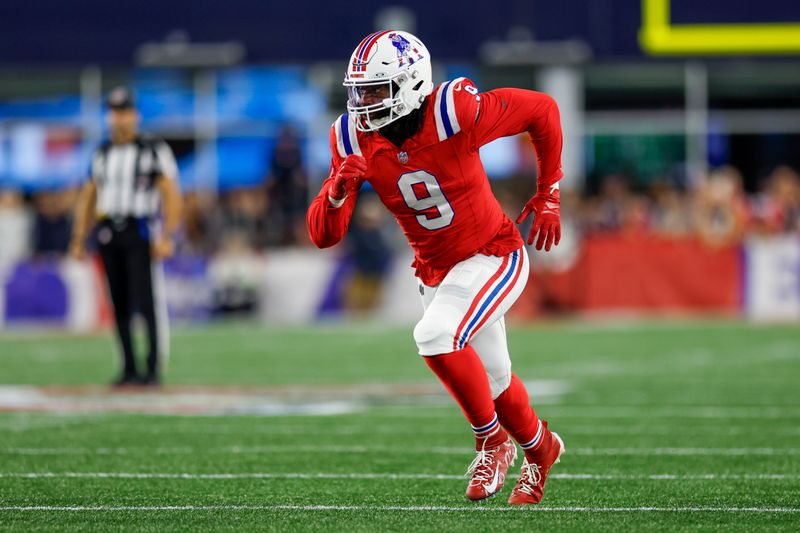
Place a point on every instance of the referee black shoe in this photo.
(150, 380)
(126, 380)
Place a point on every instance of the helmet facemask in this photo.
(374, 104)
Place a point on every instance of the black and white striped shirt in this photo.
(125, 176)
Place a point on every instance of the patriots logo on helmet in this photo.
(404, 49)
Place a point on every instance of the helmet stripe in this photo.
(370, 43)
(371, 40)
(363, 43)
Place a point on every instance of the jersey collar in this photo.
(426, 136)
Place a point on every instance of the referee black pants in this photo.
(124, 245)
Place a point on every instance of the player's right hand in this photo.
(348, 178)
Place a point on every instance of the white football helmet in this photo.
(388, 77)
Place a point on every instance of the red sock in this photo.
(463, 375)
(518, 417)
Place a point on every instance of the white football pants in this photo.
(467, 307)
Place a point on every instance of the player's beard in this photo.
(377, 116)
(404, 128)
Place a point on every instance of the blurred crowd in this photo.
(272, 214)
(719, 212)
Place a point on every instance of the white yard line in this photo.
(437, 450)
(686, 451)
(725, 429)
(396, 508)
(622, 412)
(387, 476)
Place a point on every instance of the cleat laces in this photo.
(481, 468)
(530, 478)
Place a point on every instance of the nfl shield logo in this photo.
(402, 157)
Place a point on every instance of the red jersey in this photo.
(435, 184)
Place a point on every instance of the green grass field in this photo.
(668, 426)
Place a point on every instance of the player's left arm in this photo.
(505, 112)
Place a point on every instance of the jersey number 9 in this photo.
(423, 194)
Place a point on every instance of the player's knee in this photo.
(434, 335)
(499, 382)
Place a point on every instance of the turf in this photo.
(668, 426)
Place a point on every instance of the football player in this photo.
(417, 145)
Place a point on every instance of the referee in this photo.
(130, 176)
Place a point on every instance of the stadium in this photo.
(236, 294)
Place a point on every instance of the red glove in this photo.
(348, 179)
(546, 209)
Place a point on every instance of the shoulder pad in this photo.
(346, 136)
(449, 101)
